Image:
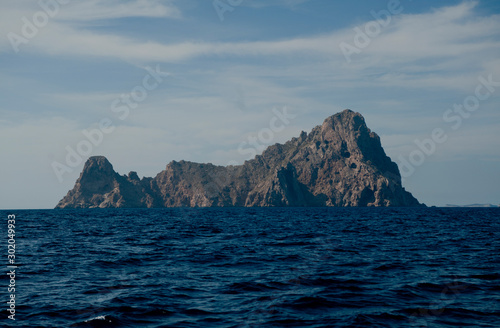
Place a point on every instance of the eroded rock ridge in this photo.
(339, 163)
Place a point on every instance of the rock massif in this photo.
(339, 163)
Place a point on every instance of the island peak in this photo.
(338, 163)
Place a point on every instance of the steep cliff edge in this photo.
(339, 163)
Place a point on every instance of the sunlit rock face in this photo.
(339, 163)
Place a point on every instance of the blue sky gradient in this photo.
(221, 79)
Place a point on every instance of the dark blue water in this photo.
(299, 267)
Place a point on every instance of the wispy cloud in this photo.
(449, 36)
(266, 3)
(91, 10)
(15, 14)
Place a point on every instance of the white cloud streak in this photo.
(442, 36)
(90, 10)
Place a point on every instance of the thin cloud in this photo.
(444, 33)
(91, 10)
(267, 3)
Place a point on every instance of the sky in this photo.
(145, 82)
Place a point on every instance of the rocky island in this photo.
(339, 163)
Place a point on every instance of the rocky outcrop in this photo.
(339, 163)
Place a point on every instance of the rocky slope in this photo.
(339, 163)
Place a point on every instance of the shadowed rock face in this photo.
(339, 163)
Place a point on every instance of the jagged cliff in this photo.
(339, 163)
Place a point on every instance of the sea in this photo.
(252, 267)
